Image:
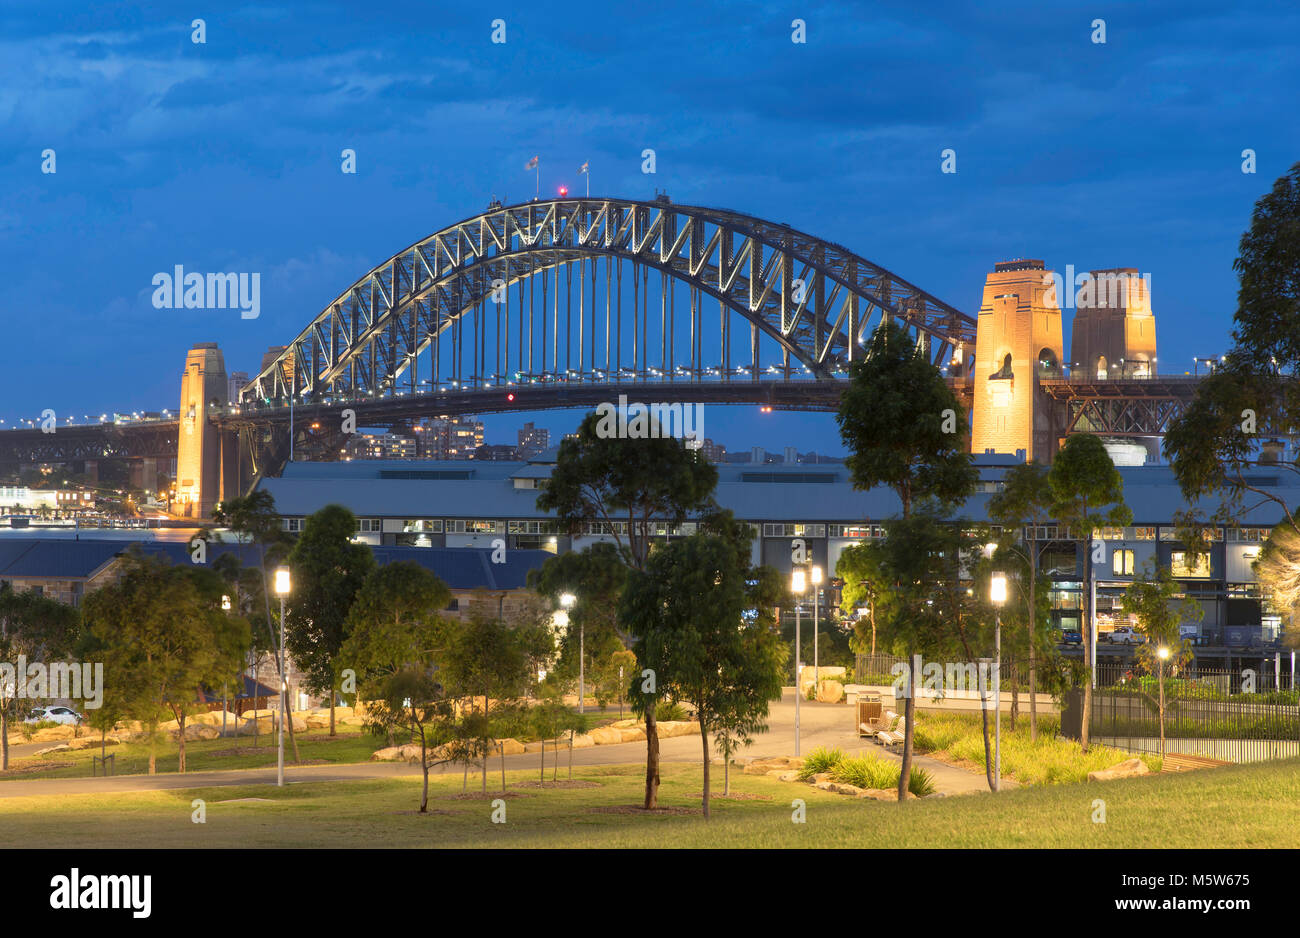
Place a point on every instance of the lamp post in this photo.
(225, 705)
(566, 603)
(798, 585)
(817, 596)
(1162, 655)
(998, 594)
(282, 590)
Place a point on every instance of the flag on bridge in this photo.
(532, 164)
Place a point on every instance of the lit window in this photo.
(1122, 562)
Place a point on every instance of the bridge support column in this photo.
(198, 458)
(144, 474)
(1018, 341)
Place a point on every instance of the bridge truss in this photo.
(602, 291)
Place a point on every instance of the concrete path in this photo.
(829, 725)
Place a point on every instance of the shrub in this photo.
(820, 760)
(873, 772)
(669, 711)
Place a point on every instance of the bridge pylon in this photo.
(207, 457)
(1018, 342)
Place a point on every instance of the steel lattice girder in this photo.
(368, 336)
(1144, 416)
(68, 444)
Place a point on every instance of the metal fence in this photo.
(1260, 677)
(1204, 715)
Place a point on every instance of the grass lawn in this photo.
(1240, 806)
(235, 752)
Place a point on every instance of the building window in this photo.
(292, 525)
(794, 530)
(422, 525)
(369, 525)
(1184, 565)
(470, 526)
(1122, 562)
(1147, 533)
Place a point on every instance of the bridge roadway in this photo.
(1118, 406)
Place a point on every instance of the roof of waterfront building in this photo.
(463, 568)
(800, 492)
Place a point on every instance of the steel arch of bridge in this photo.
(815, 300)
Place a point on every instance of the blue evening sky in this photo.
(226, 155)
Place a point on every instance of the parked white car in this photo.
(55, 715)
(1127, 635)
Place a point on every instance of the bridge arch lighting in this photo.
(779, 293)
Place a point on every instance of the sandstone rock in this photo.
(196, 731)
(625, 724)
(51, 733)
(631, 734)
(91, 742)
(830, 692)
(513, 747)
(61, 747)
(1129, 768)
(583, 741)
(789, 776)
(606, 735)
(821, 777)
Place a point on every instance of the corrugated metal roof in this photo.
(461, 568)
(1150, 491)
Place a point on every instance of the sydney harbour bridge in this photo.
(570, 302)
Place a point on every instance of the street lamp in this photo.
(798, 585)
(817, 595)
(998, 595)
(566, 602)
(282, 587)
(225, 703)
(1162, 655)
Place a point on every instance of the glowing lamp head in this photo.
(1163, 653)
(998, 588)
(564, 190)
(567, 600)
(797, 582)
(282, 585)
(816, 575)
(225, 603)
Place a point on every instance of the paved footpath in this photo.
(828, 725)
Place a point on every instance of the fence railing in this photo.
(1203, 716)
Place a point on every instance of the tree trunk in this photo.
(570, 755)
(180, 724)
(293, 740)
(503, 767)
(726, 775)
(1033, 638)
(988, 755)
(332, 730)
(4, 735)
(153, 749)
(651, 760)
(424, 764)
(704, 738)
(909, 716)
(542, 776)
(1015, 693)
